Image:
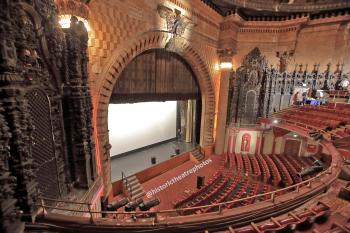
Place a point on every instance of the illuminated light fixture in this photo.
(275, 121)
(295, 135)
(64, 21)
(217, 67)
(226, 65)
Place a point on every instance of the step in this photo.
(137, 190)
(131, 183)
(139, 195)
(132, 177)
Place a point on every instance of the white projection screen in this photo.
(133, 126)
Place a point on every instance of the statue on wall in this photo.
(245, 146)
(176, 23)
(284, 58)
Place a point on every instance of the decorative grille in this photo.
(43, 146)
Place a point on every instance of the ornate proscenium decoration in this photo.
(176, 25)
(176, 22)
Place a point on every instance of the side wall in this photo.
(319, 41)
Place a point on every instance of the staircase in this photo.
(198, 155)
(132, 187)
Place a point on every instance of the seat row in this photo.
(283, 171)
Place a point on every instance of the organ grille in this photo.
(45, 168)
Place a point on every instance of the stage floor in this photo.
(134, 162)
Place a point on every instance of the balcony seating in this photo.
(325, 118)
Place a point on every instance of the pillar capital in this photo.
(226, 54)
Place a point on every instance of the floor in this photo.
(137, 161)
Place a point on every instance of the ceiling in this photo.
(258, 8)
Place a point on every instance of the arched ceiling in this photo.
(257, 8)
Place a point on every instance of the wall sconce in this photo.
(64, 21)
(275, 121)
(223, 65)
(226, 65)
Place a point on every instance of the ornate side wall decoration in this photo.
(35, 77)
(258, 90)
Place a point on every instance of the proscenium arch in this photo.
(106, 81)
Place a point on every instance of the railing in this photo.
(241, 125)
(303, 125)
(178, 212)
(125, 182)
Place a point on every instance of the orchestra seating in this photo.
(245, 175)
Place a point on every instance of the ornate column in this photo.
(274, 145)
(261, 150)
(227, 49)
(78, 117)
(16, 162)
(232, 141)
(225, 66)
(258, 141)
(9, 215)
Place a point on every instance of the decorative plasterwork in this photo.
(73, 7)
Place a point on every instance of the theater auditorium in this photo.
(174, 116)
